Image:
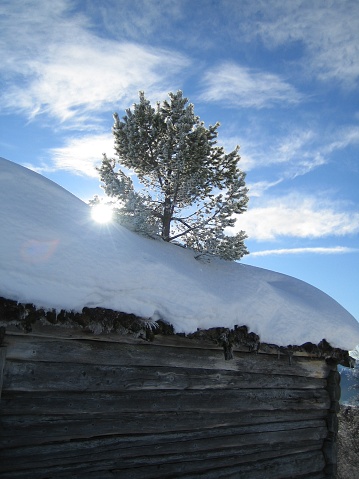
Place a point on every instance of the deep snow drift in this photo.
(53, 255)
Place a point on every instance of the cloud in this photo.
(318, 250)
(258, 188)
(300, 152)
(276, 159)
(85, 79)
(82, 154)
(341, 139)
(74, 73)
(30, 27)
(137, 18)
(328, 32)
(238, 86)
(282, 158)
(299, 217)
(79, 155)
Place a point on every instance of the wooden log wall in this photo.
(80, 406)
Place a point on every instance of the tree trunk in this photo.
(166, 220)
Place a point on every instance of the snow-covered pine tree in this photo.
(191, 189)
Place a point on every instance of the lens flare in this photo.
(38, 251)
(102, 213)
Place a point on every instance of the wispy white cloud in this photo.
(300, 152)
(71, 72)
(238, 86)
(327, 30)
(83, 79)
(317, 250)
(342, 138)
(134, 19)
(258, 188)
(279, 158)
(286, 157)
(296, 216)
(30, 27)
(81, 155)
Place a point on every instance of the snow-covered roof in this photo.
(55, 256)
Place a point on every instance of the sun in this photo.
(102, 213)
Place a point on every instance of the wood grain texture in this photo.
(143, 353)
(86, 407)
(2, 366)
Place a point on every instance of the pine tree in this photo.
(191, 189)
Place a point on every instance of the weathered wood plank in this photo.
(30, 375)
(40, 330)
(222, 473)
(248, 466)
(154, 354)
(2, 366)
(23, 430)
(271, 462)
(26, 429)
(137, 444)
(271, 402)
(203, 400)
(157, 452)
(71, 403)
(294, 465)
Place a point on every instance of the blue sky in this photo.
(280, 77)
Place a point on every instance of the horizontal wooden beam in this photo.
(155, 354)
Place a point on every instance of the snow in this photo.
(53, 254)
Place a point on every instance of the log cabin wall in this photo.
(74, 405)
